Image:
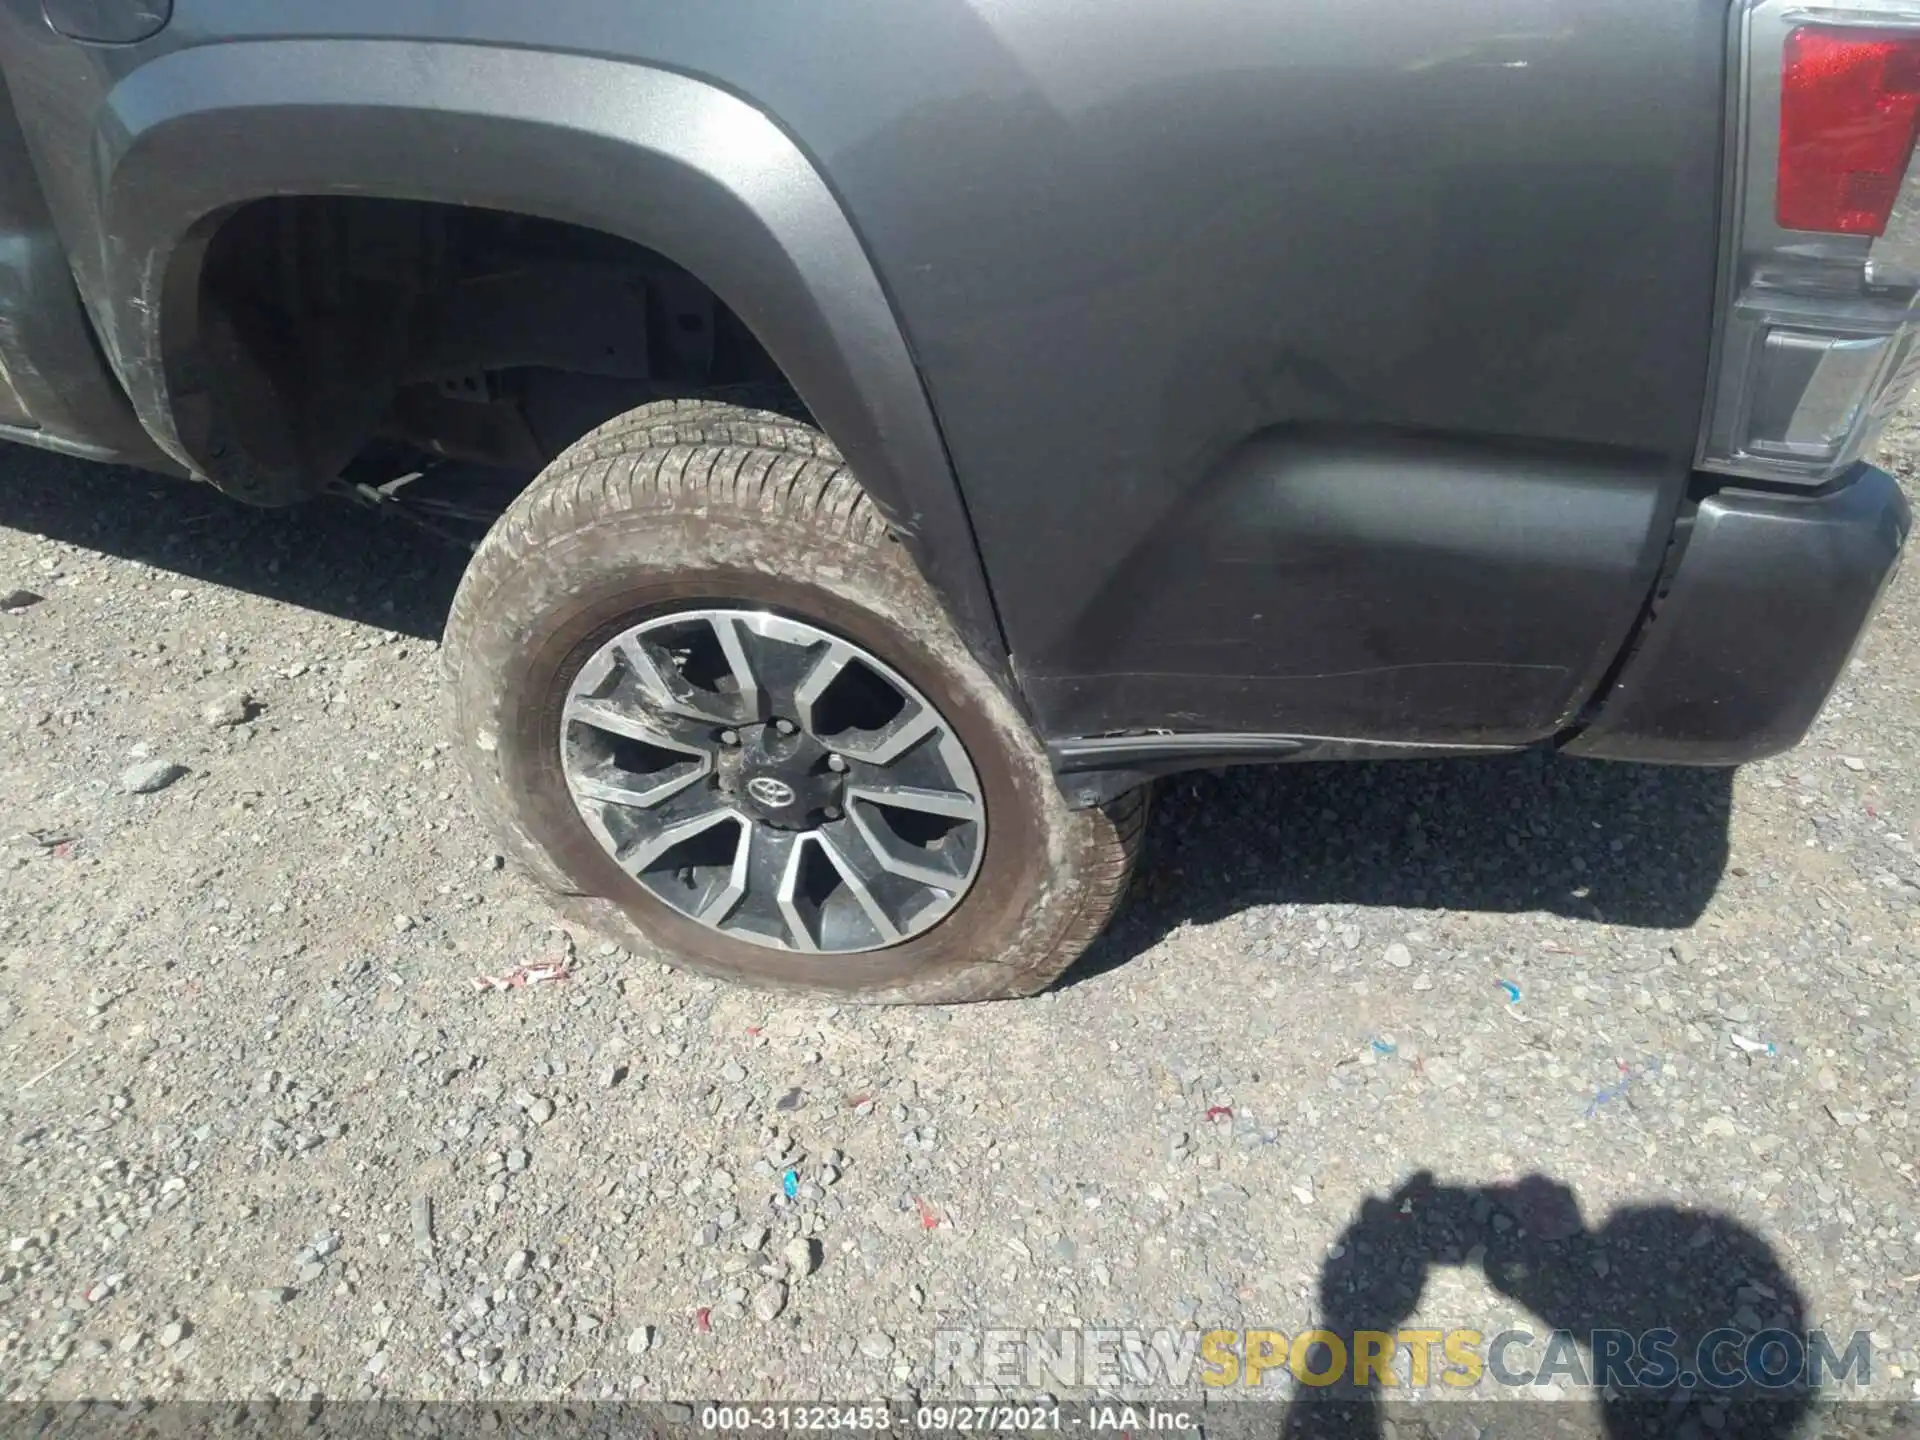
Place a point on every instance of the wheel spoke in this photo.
(886, 746)
(857, 886)
(798, 934)
(943, 859)
(593, 675)
(834, 659)
(717, 910)
(604, 780)
(665, 687)
(951, 803)
(602, 715)
(860, 839)
(793, 904)
(915, 722)
(693, 803)
(646, 672)
(607, 792)
(650, 848)
(752, 702)
(758, 917)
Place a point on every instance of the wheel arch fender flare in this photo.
(673, 163)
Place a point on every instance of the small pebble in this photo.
(423, 1225)
(771, 1300)
(236, 707)
(802, 1256)
(150, 776)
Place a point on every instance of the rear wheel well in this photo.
(324, 335)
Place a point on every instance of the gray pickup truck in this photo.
(938, 418)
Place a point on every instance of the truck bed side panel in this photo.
(1317, 366)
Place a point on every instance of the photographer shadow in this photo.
(1694, 1274)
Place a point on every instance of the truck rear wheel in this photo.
(702, 691)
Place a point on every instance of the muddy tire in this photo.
(578, 605)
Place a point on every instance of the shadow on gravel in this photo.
(1655, 1297)
(328, 556)
(1625, 844)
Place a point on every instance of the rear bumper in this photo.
(1771, 595)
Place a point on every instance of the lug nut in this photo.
(785, 727)
(837, 764)
(832, 812)
(729, 737)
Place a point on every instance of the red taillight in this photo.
(1849, 113)
(1819, 313)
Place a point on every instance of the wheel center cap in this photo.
(783, 779)
(771, 793)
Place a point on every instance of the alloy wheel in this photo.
(772, 781)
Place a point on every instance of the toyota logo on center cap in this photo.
(772, 793)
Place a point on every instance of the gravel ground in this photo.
(264, 1137)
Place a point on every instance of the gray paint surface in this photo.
(1150, 262)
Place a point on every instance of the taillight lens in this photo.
(1819, 307)
(1849, 113)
